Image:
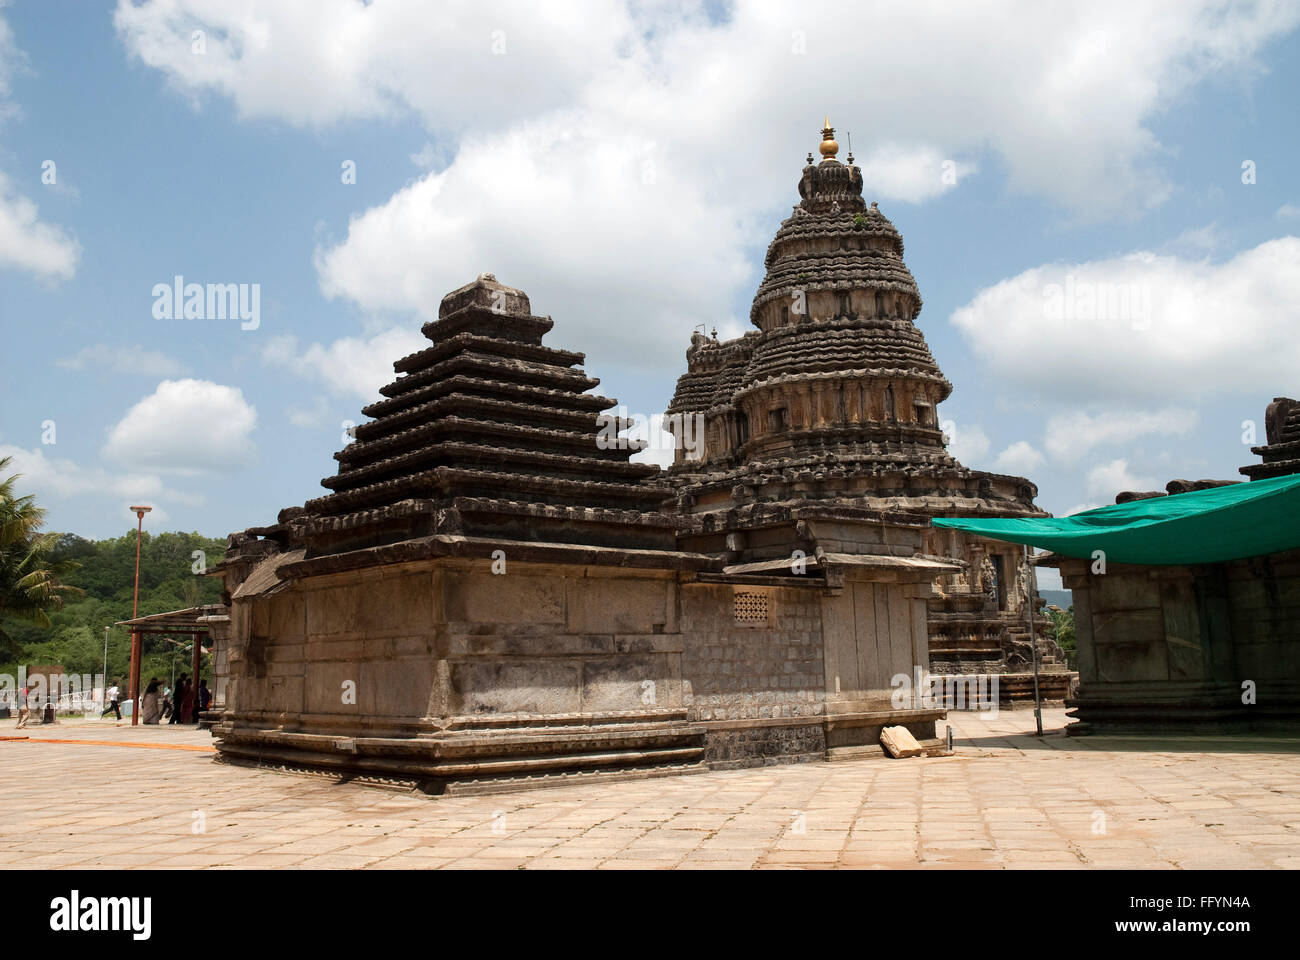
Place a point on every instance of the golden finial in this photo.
(828, 145)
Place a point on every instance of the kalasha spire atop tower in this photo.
(835, 394)
(828, 146)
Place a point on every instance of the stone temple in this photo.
(1204, 647)
(833, 400)
(489, 594)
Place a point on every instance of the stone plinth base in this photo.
(732, 744)
(472, 753)
(479, 755)
(1197, 708)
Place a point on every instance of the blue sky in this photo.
(627, 167)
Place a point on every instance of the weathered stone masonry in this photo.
(489, 598)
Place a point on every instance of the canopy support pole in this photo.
(198, 663)
(1033, 641)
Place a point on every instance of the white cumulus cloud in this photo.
(186, 426)
(51, 479)
(1070, 436)
(593, 227)
(914, 174)
(618, 161)
(1019, 459)
(351, 366)
(30, 244)
(1105, 480)
(751, 71)
(968, 444)
(1143, 326)
(315, 62)
(27, 243)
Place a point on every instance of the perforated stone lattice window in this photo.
(750, 608)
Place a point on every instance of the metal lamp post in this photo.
(134, 688)
(1033, 640)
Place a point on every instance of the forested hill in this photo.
(106, 577)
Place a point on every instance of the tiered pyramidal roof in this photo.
(836, 392)
(486, 420)
(1281, 454)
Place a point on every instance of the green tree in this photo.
(31, 578)
(106, 575)
(1062, 632)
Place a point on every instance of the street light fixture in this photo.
(135, 612)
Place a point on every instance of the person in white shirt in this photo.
(113, 696)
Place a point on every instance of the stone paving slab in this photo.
(115, 796)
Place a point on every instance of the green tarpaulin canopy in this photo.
(1204, 526)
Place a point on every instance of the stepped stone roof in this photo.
(1281, 455)
(835, 346)
(856, 245)
(714, 374)
(486, 412)
(485, 433)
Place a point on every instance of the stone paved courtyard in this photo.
(153, 797)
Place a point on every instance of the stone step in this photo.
(532, 766)
(516, 784)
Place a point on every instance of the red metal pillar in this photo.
(134, 685)
(133, 681)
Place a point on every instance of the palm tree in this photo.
(30, 581)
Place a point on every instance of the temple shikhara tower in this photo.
(833, 400)
(491, 594)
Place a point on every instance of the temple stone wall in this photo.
(825, 654)
(458, 640)
(875, 632)
(737, 670)
(728, 673)
(1166, 646)
(1264, 607)
(560, 640)
(334, 649)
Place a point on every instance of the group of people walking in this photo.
(158, 703)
